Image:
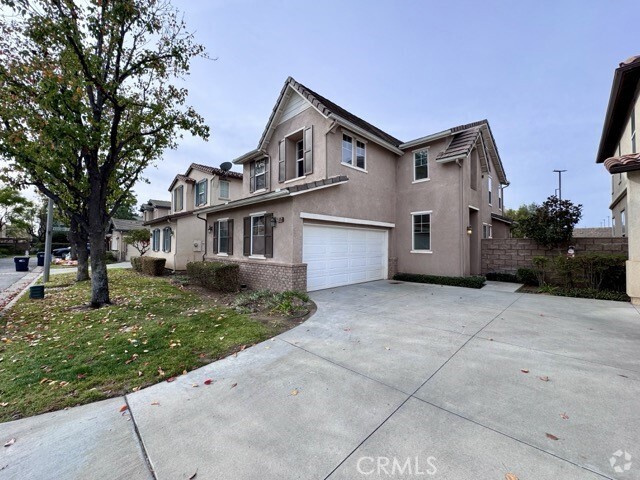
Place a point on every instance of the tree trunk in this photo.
(99, 279)
(78, 238)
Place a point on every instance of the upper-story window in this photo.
(500, 197)
(178, 199)
(420, 165)
(354, 152)
(299, 158)
(295, 155)
(633, 131)
(259, 175)
(223, 186)
(201, 192)
(490, 188)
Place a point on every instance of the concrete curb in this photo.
(18, 295)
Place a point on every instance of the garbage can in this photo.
(37, 291)
(22, 264)
(40, 256)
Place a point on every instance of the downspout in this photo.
(206, 226)
(463, 230)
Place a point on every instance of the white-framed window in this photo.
(623, 222)
(633, 130)
(201, 192)
(178, 198)
(300, 158)
(421, 165)
(155, 240)
(487, 230)
(354, 152)
(490, 188)
(260, 175)
(613, 225)
(421, 232)
(223, 236)
(223, 186)
(258, 228)
(166, 239)
(500, 197)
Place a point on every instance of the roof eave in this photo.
(253, 154)
(355, 129)
(422, 140)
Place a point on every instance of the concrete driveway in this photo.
(435, 382)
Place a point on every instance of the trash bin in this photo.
(22, 264)
(40, 256)
(37, 291)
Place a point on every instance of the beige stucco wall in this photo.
(213, 190)
(187, 230)
(123, 251)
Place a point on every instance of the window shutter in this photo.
(267, 174)
(216, 228)
(281, 162)
(246, 243)
(308, 150)
(230, 242)
(268, 236)
(252, 177)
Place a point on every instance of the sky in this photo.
(539, 71)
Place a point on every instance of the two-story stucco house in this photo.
(620, 151)
(329, 199)
(178, 232)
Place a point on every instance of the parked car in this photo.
(61, 252)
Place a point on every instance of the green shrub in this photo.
(588, 293)
(541, 265)
(153, 266)
(136, 264)
(110, 257)
(469, 282)
(222, 277)
(502, 277)
(527, 276)
(286, 303)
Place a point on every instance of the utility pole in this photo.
(47, 242)
(559, 172)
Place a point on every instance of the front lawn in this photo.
(57, 352)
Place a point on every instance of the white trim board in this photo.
(354, 221)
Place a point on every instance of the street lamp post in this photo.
(559, 172)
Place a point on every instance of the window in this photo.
(155, 240)
(487, 231)
(420, 166)
(623, 222)
(500, 197)
(490, 188)
(178, 199)
(421, 232)
(223, 237)
(299, 158)
(259, 175)
(633, 131)
(166, 239)
(224, 189)
(357, 156)
(295, 155)
(201, 192)
(258, 235)
(613, 225)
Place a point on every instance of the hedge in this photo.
(222, 277)
(469, 282)
(592, 271)
(136, 264)
(527, 276)
(502, 277)
(153, 266)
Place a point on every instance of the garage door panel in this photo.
(341, 255)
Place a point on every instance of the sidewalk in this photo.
(9, 293)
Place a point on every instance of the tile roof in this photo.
(319, 183)
(126, 225)
(623, 163)
(214, 171)
(151, 204)
(460, 145)
(502, 218)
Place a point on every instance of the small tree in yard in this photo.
(519, 216)
(88, 100)
(139, 239)
(552, 223)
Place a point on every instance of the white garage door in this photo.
(341, 256)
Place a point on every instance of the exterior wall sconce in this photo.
(469, 230)
(210, 229)
(274, 222)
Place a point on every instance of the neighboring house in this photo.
(329, 199)
(620, 151)
(177, 232)
(593, 232)
(119, 229)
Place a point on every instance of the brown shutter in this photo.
(216, 227)
(281, 162)
(268, 236)
(246, 244)
(308, 150)
(252, 176)
(230, 242)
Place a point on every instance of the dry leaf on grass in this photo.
(552, 437)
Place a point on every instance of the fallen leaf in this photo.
(552, 437)
(81, 376)
(193, 476)
(208, 381)
(510, 476)
(194, 385)
(294, 392)
(524, 370)
(234, 385)
(564, 416)
(155, 403)
(387, 348)
(184, 372)
(123, 408)
(544, 379)
(170, 379)
(8, 443)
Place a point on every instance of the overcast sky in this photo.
(539, 71)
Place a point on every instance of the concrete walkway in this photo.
(441, 382)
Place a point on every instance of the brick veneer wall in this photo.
(509, 254)
(261, 274)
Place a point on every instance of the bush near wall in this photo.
(136, 264)
(596, 272)
(222, 277)
(469, 282)
(153, 266)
